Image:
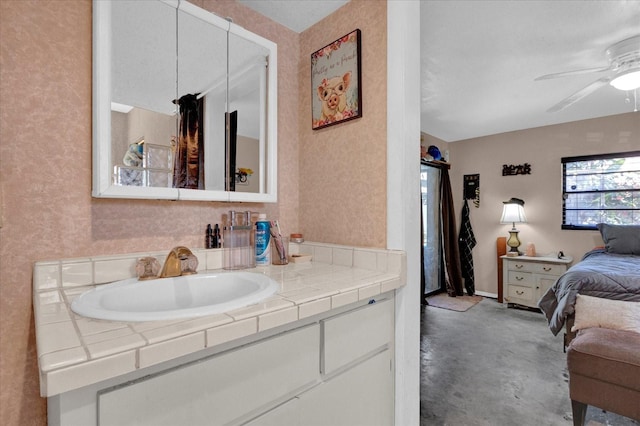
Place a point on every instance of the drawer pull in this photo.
(519, 293)
(547, 268)
(519, 266)
(519, 278)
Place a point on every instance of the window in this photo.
(601, 189)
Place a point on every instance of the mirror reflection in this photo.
(189, 103)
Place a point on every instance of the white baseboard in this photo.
(485, 294)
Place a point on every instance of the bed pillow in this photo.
(606, 313)
(621, 239)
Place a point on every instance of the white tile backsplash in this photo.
(213, 259)
(322, 254)
(78, 273)
(106, 271)
(365, 259)
(396, 262)
(46, 275)
(342, 256)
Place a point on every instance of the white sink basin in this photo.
(174, 298)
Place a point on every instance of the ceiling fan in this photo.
(623, 72)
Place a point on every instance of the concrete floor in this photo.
(493, 366)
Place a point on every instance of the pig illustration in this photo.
(333, 95)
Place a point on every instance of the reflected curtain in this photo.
(450, 251)
(188, 163)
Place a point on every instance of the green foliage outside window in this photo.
(601, 189)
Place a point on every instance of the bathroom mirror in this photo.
(185, 105)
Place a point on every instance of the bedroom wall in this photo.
(543, 148)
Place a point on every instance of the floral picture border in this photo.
(336, 89)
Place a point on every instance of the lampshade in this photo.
(513, 211)
(628, 80)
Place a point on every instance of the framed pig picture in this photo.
(336, 93)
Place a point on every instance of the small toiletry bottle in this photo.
(216, 241)
(263, 235)
(208, 239)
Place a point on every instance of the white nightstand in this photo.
(526, 279)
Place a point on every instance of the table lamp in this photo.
(513, 212)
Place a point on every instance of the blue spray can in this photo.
(263, 238)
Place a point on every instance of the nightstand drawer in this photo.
(516, 277)
(537, 267)
(520, 292)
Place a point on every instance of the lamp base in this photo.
(514, 242)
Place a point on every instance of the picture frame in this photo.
(336, 82)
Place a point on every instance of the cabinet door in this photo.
(220, 389)
(543, 283)
(285, 414)
(355, 334)
(362, 396)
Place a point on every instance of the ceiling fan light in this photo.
(629, 80)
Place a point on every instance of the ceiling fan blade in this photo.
(585, 91)
(570, 73)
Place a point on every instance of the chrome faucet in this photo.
(179, 261)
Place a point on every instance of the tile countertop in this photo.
(75, 351)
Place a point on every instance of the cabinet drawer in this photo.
(354, 334)
(517, 277)
(520, 292)
(551, 269)
(219, 389)
(537, 267)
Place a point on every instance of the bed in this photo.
(612, 272)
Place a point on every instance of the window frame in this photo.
(567, 160)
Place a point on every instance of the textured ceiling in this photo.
(480, 59)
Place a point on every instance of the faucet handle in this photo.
(189, 264)
(147, 268)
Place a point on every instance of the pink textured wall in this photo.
(343, 168)
(46, 207)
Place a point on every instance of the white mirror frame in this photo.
(103, 186)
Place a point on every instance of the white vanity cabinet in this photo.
(332, 369)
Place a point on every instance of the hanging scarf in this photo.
(466, 243)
